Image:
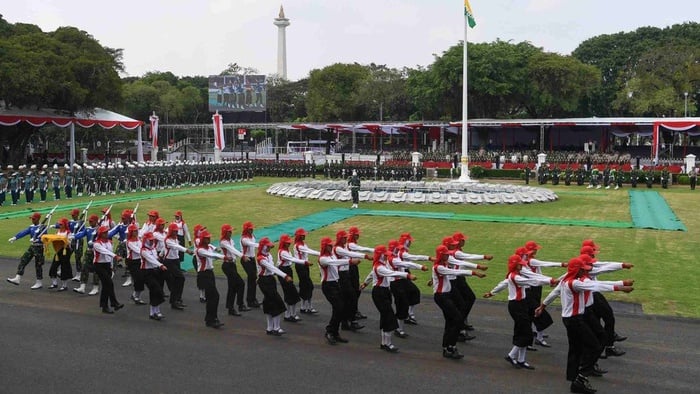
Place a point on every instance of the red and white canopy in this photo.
(37, 118)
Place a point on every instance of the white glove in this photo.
(11, 240)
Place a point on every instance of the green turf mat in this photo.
(650, 210)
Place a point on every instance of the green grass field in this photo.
(666, 283)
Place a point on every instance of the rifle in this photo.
(104, 215)
(82, 217)
(45, 223)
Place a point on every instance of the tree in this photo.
(333, 90)
(286, 101)
(66, 70)
(235, 69)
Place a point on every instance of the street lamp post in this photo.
(686, 104)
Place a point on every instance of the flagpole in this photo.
(464, 176)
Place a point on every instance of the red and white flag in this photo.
(219, 142)
(153, 133)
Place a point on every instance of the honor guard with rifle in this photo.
(35, 250)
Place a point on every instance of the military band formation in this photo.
(150, 257)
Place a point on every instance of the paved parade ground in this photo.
(61, 342)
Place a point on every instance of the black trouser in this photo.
(88, 267)
(355, 282)
(291, 295)
(522, 331)
(306, 286)
(134, 267)
(42, 193)
(584, 347)
(151, 278)
(77, 246)
(69, 191)
(236, 286)
(57, 193)
(398, 289)
(331, 290)
(453, 318)
(206, 281)
(62, 259)
(458, 300)
(382, 300)
(251, 270)
(181, 241)
(355, 196)
(467, 295)
(544, 320)
(35, 252)
(604, 311)
(175, 280)
(104, 272)
(349, 296)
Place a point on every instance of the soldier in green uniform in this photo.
(43, 185)
(29, 187)
(665, 177)
(13, 184)
(568, 172)
(634, 177)
(3, 187)
(692, 175)
(354, 183)
(650, 177)
(56, 184)
(68, 182)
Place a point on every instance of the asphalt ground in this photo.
(62, 343)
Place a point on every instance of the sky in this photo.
(201, 37)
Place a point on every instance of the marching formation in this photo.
(152, 255)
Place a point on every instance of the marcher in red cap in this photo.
(76, 223)
(460, 283)
(248, 247)
(151, 270)
(88, 233)
(236, 285)
(183, 233)
(133, 262)
(584, 345)
(272, 305)
(601, 306)
(285, 261)
(150, 224)
(62, 257)
(382, 276)
(171, 259)
(350, 295)
(206, 254)
(329, 264)
(104, 261)
(353, 245)
(306, 286)
(442, 294)
(534, 294)
(35, 251)
(406, 293)
(516, 283)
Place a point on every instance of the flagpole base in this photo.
(464, 174)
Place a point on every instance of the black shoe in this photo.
(353, 326)
(359, 316)
(531, 348)
(389, 348)
(233, 312)
(598, 370)
(107, 310)
(469, 327)
(182, 304)
(273, 333)
(118, 307)
(177, 307)
(613, 351)
(292, 319)
(254, 304)
(243, 308)
(581, 385)
(312, 311)
(512, 361)
(340, 339)
(411, 320)
(463, 337)
(452, 352)
(400, 333)
(157, 316)
(525, 365)
(619, 338)
(202, 300)
(215, 324)
(330, 338)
